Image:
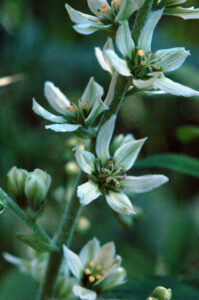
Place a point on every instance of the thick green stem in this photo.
(24, 217)
(141, 18)
(64, 236)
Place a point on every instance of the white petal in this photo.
(86, 160)
(146, 35)
(144, 84)
(119, 64)
(124, 40)
(127, 8)
(14, 260)
(78, 17)
(93, 90)
(174, 2)
(98, 107)
(142, 184)
(110, 95)
(113, 279)
(63, 127)
(89, 28)
(120, 203)
(40, 111)
(83, 293)
(104, 138)
(185, 13)
(171, 59)
(105, 256)
(94, 5)
(105, 65)
(127, 154)
(73, 262)
(88, 192)
(89, 251)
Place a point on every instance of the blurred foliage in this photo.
(37, 40)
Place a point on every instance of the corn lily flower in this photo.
(173, 9)
(72, 117)
(96, 268)
(107, 171)
(107, 16)
(145, 68)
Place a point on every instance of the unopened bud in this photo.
(16, 183)
(36, 188)
(83, 224)
(72, 168)
(162, 293)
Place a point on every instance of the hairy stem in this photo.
(64, 236)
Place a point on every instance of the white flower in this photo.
(105, 15)
(73, 117)
(96, 268)
(147, 69)
(107, 170)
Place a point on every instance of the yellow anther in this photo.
(104, 11)
(119, 3)
(103, 170)
(157, 68)
(68, 108)
(85, 106)
(142, 63)
(91, 263)
(87, 271)
(103, 272)
(98, 267)
(105, 5)
(115, 3)
(74, 109)
(98, 277)
(110, 163)
(91, 279)
(117, 184)
(99, 11)
(108, 179)
(140, 52)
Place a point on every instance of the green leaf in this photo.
(187, 134)
(34, 242)
(180, 163)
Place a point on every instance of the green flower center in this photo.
(92, 273)
(77, 113)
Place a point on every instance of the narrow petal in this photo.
(144, 84)
(120, 203)
(95, 5)
(142, 184)
(40, 111)
(146, 35)
(182, 12)
(98, 107)
(171, 59)
(88, 192)
(84, 293)
(113, 280)
(105, 256)
(14, 260)
(86, 160)
(102, 61)
(93, 90)
(174, 2)
(55, 97)
(63, 127)
(127, 154)
(124, 40)
(119, 64)
(73, 262)
(89, 251)
(89, 28)
(78, 17)
(127, 8)
(104, 138)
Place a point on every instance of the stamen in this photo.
(140, 53)
(104, 11)
(98, 267)
(115, 3)
(86, 105)
(142, 63)
(91, 263)
(110, 163)
(104, 5)
(99, 11)
(91, 279)
(98, 277)
(87, 271)
(68, 108)
(117, 184)
(157, 68)
(108, 179)
(103, 170)
(74, 109)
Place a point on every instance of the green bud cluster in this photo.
(161, 293)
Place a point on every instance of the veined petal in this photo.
(182, 12)
(86, 160)
(40, 111)
(104, 138)
(171, 59)
(110, 95)
(146, 35)
(95, 5)
(113, 279)
(127, 154)
(89, 28)
(63, 127)
(88, 192)
(73, 262)
(105, 256)
(98, 107)
(124, 40)
(93, 90)
(102, 58)
(144, 84)
(55, 97)
(142, 184)
(119, 64)
(84, 293)
(78, 17)
(174, 2)
(89, 251)
(127, 8)
(120, 203)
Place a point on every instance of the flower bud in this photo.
(162, 293)
(36, 188)
(16, 183)
(83, 225)
(72, 168)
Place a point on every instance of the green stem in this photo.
(141, 18)
(24, 217)
(64, 236)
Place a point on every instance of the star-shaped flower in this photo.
(107, 15)
(96, 268)
(73, 117)
(144, 67)
(107, 171)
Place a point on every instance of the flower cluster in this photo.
(107, 171)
